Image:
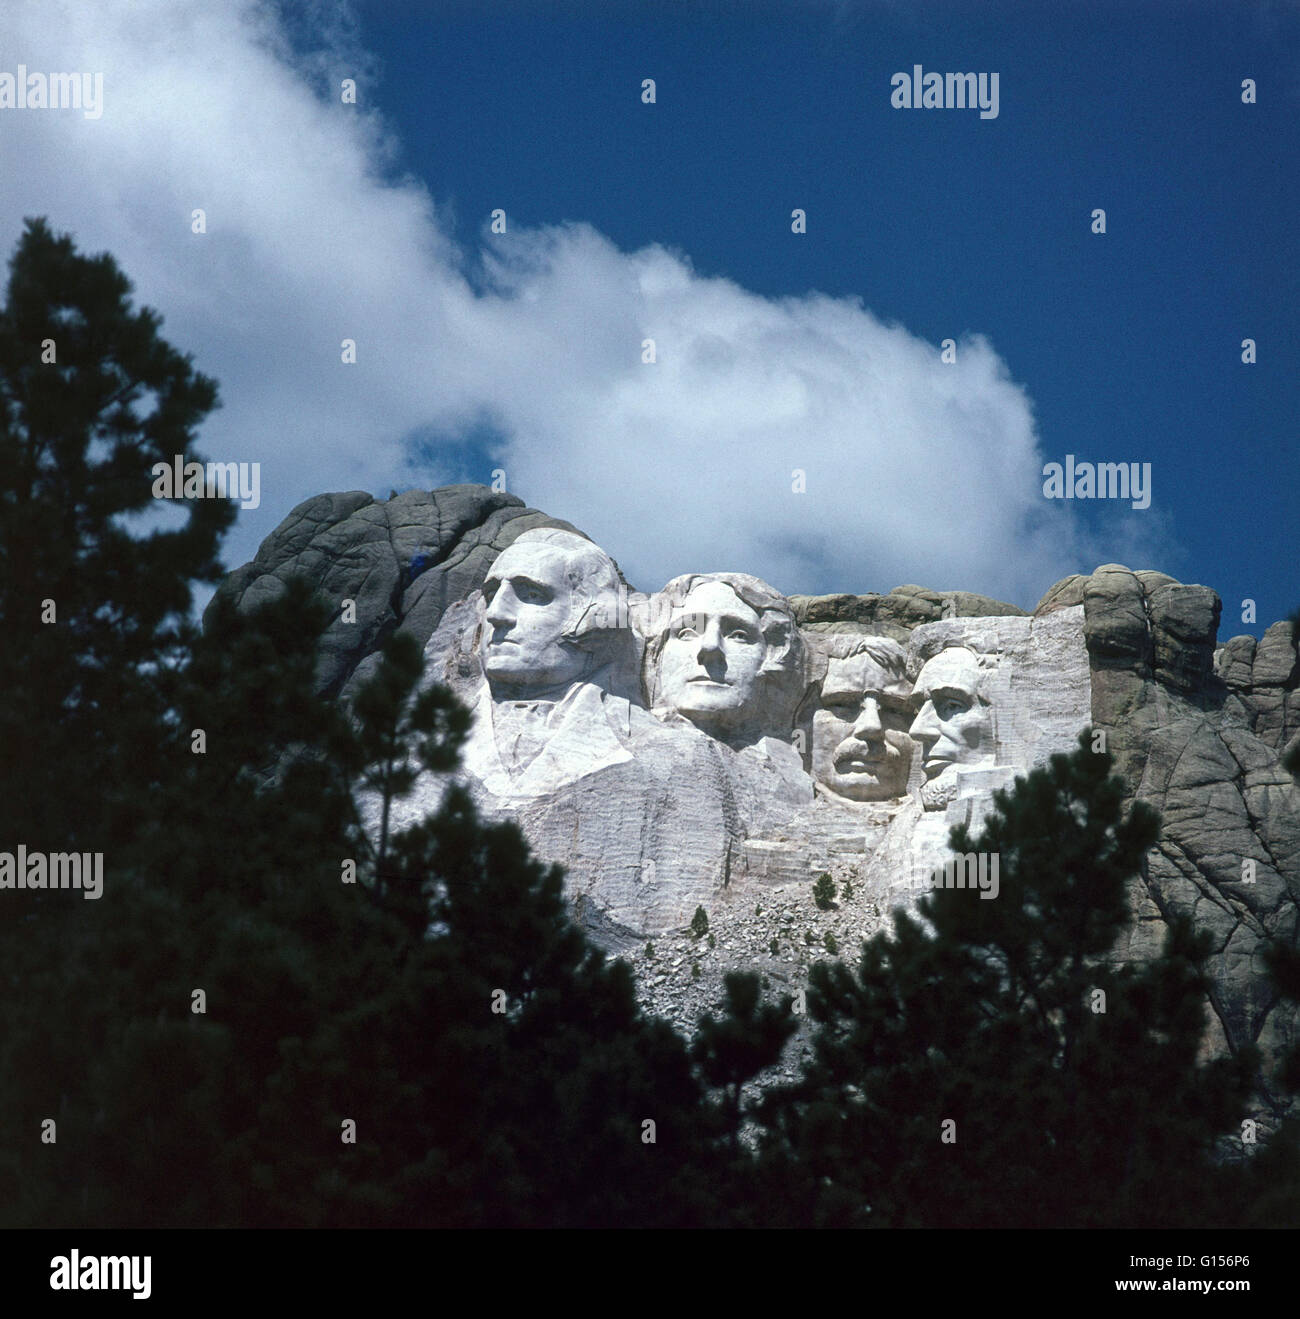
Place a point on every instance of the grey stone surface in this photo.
(354, 547)
(1117, 631)
(1068, 591)
(656, 807)
(1196, 734)
(1184, 625)
(1233, 662)
(895, 614)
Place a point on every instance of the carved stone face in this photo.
(860, 746)
(529, 603)
(953, 725)
(711, 657)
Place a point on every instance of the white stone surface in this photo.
(608, 765)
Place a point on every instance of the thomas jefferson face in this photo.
(860, 747)
(709, 665)
(953, 726)
(529, 602)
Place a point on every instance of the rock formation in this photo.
(717, 744)
(402, 561)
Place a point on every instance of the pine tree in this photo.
(396, 732)
(733, 1050)
(824, 892)
(90, 398)
(1267, 1194)
(993, 1064)
(94, 603)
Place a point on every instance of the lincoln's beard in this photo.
(937, 792)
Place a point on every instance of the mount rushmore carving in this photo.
(576, 674)
(668, 748)
(717, 743)
(671, 748)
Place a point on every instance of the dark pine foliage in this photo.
(989, 1019)
(407, 1028)
(493, 1065)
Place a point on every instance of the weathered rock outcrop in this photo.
(896, 614)
(1196, 732)
(401, 561)
(718, 744)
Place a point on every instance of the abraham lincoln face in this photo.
(954, 724)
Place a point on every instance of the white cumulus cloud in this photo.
(914, 470)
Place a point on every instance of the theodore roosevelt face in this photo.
(860, 746)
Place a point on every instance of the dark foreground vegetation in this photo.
(274, 1016)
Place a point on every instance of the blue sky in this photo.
(1128, 343)
(623, 217)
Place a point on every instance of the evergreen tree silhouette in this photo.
(994, 1064)
(90, 398)
(274, 1016)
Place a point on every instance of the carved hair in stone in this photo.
(555, 612)
(725, 652)
(860, 748)
(955, 718)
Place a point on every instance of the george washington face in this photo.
(529, 607)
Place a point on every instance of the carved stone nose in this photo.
(867, 724)
(503, 605)
(710, 642)
(925, 725)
